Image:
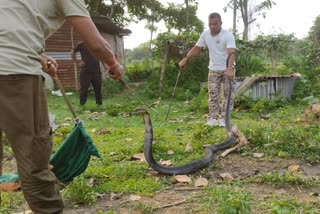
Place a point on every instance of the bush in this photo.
(139, 71)
(111, 87)
(247, 65)
(188, 84)
(260, 105)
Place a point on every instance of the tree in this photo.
(314, 38)
(249, 12)
(123, 12)
(274, 46)
(175, 16)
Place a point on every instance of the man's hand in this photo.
(183, 62)
(80, 62)
(116, 72)
(230, 74)
(49, 65)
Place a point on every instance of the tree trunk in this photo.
(111, 10)
(234, 30)
(187, 15)
(273, 62)
(245, 32)
(163, 67)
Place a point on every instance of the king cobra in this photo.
(194, 165)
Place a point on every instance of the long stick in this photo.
(65, 98)
(173, 93)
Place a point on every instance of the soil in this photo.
(175, 198)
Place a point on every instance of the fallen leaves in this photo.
(293, 167)
(188, 147)
(135, 198)
(182, 178)
(226, 176)
(201, 182)
(166, 162)
(170, 152)
(258, 155)
(139, 156)
(185, 179)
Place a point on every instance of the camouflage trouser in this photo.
(217, 97)
(25, 122)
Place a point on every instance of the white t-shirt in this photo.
(217, 45)
(24, 26)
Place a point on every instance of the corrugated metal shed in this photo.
(267, 86)
(61, 42)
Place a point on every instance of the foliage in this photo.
(263, 55)
(274, 47)
(140, 70)
(124, 11)
(111, 87)
(139, 53)
(250, 64)
(146, 209)
(314, 38)
(179, 45)
(199, 102)
(79, 192)
(231, 200)
(188, 83)
(11, 201)
(287, 179)
(175, 18)
(260, 105)
(284, 204)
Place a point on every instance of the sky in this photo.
(287, 16)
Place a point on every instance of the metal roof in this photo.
(106, 25)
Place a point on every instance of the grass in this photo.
(119, 136)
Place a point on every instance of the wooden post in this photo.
(75, 67)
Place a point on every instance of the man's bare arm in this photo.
(195, 50)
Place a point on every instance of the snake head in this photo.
(139, 111)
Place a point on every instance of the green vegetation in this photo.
(273, 128)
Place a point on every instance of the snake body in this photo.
(194, 165)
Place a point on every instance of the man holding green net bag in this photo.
(24, 26)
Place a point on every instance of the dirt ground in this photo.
(175, 199)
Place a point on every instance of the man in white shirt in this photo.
(221, 45)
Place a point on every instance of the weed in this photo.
(287, 205)
(79, 192)
(145, 209)
(288, 178)
(11, 201)
(229, 200)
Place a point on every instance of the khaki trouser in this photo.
(217, 106)
(24, 120)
